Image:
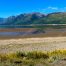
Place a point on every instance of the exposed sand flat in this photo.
(32, 44)
(32, 40)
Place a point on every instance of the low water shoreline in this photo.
(31, 33)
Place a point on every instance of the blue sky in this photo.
(15, 7)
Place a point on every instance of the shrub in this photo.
(57, 54)
(37, 55)
(3, 57)
(20, 54)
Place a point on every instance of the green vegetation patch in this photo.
(32, 58)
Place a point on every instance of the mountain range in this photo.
(35, 18)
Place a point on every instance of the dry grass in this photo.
(34, 44)
(34, 58)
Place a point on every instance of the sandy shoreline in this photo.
(32, 44)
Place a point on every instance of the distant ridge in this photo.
(35, 18)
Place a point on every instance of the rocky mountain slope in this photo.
(35, 18)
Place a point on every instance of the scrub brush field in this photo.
(47, 51)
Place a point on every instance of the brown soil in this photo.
(48, 33)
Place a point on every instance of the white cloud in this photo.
(53, 8)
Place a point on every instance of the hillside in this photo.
(35, 18)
